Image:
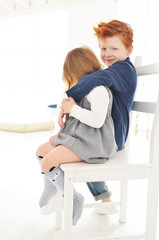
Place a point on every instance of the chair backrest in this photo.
(154, 140)
(150, 107)
(148, 69)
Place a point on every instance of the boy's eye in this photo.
(115, 49)
(103, 49)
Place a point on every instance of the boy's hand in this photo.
(67, 105)
(52, 139)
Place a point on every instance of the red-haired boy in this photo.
(115, 42)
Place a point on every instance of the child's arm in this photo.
(120, 77)
(99, 101)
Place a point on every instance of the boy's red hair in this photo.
(115, 28)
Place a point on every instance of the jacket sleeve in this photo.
(118, 78)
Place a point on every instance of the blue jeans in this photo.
(99, 190)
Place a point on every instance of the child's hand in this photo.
(67, 105)
(66, 116)
(52, 139)
(60, 119)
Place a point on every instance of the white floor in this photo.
(20, 188)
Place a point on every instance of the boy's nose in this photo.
(108, 53)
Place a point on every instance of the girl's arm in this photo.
(99, 101)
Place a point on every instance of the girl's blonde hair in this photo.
(79, 62)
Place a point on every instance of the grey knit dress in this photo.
(93, 145)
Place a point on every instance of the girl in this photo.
(88, 134)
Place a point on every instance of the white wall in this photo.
(82, 18)
(29, 84)
(32, 51)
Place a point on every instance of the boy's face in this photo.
(113, 50)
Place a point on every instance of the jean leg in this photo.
(99, 190)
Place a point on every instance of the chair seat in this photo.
(124, 161)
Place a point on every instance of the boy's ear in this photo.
(130, 49)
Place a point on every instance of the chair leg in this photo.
(123, 200)
(152, 208)
(68, 205)
(59, 210)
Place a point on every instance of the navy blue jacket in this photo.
(121, 79)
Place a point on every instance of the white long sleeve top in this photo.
(99, 101)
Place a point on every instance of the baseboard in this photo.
(25, 128)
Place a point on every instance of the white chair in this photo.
(120, 167)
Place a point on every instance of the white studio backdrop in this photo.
(33, 47)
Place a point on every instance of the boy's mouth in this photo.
(109, 60)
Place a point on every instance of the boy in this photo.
(115, 42)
